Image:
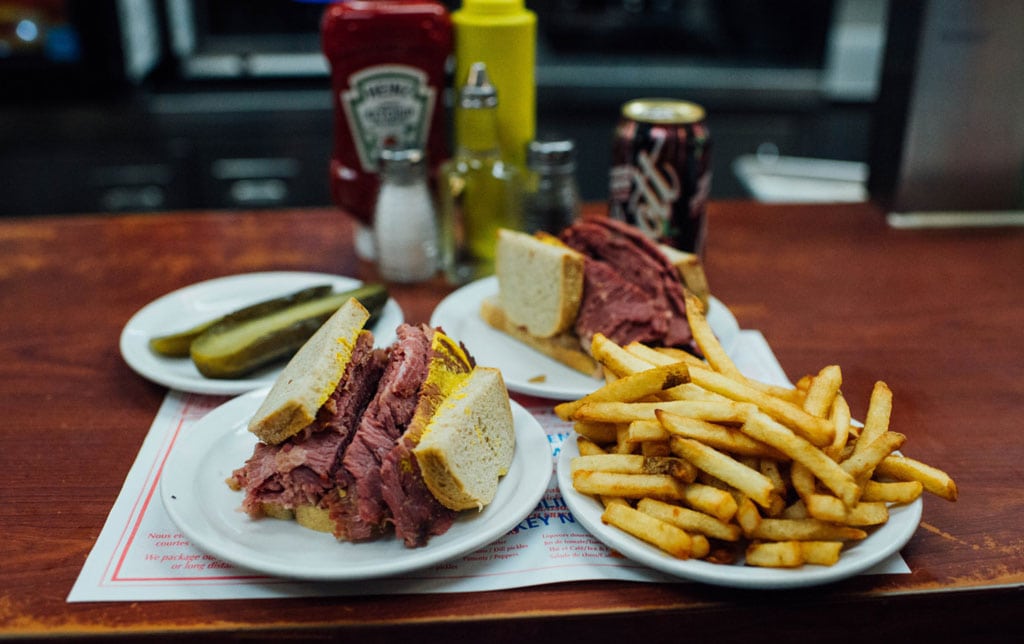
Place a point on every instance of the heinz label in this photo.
(385, 106)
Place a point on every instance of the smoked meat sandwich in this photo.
(359, 441)
(598, 275)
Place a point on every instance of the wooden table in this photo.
(937, 314)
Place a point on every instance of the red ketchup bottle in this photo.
(387, 61)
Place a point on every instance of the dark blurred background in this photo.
(128, 105)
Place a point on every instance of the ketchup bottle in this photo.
(387, 60)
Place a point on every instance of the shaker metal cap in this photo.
(551, 153)
(478, 92)
(410, 156)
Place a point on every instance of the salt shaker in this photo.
(551, 200)
(404, 219)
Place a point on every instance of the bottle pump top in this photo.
(478, 92)
(503, 35)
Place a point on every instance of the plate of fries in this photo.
(695, 470)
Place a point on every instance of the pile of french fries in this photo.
(702, 462)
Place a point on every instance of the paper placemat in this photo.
(141, 555)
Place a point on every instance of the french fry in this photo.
(663, 355)
(600, 433)
(623, 463)
(876, 422)
(804, 530)
(784, 554)
(840, 417)
(626, 412)
(778, 529)
(823, 390)
(725, 468)
(710, 500)
(862, 462)
(629, 486)
(654, 448)
(819, 431)
(629, 388)
(892, 491)
(667, 537)
(588, 447)
(647, 430)
(689, 391)
(821, 553)
(933, 479)
(700, 548)
(791, 554)
(707, 341)
(748, 518)
(770, 469)
(635, 464)
(681, 355)
(802, 480)
(609, 500)
(796, 510)
(690, 520)
(718, 436)
(622, 443)
(760, 427)
(614, 358)
(829, 508)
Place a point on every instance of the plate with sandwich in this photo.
(534, 319)
(360, 461)
(233, 334)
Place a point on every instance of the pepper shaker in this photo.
(552, 200)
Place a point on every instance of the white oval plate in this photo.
(208, 512)
(884, 541)
(195, 304)
(526, 370)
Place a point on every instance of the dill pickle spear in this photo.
(177, 345)
(234, 348)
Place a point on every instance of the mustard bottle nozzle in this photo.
(478, 92)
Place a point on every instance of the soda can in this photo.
(661, 171)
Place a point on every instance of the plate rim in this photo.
(531, 440)
(133, 341)
(730, 575)
(444, 313)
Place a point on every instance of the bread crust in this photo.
(564, 348)
(540, 282)
(469, 443)
(310, 377)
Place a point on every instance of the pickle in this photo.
(233, 348)
(177, 345)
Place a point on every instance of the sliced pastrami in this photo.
(301, 469)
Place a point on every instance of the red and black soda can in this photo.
(661, 171)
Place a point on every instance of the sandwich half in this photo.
(598, 276)
(308, 418)
(540, 289)
(348, 467)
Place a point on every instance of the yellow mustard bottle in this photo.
(502, 34)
